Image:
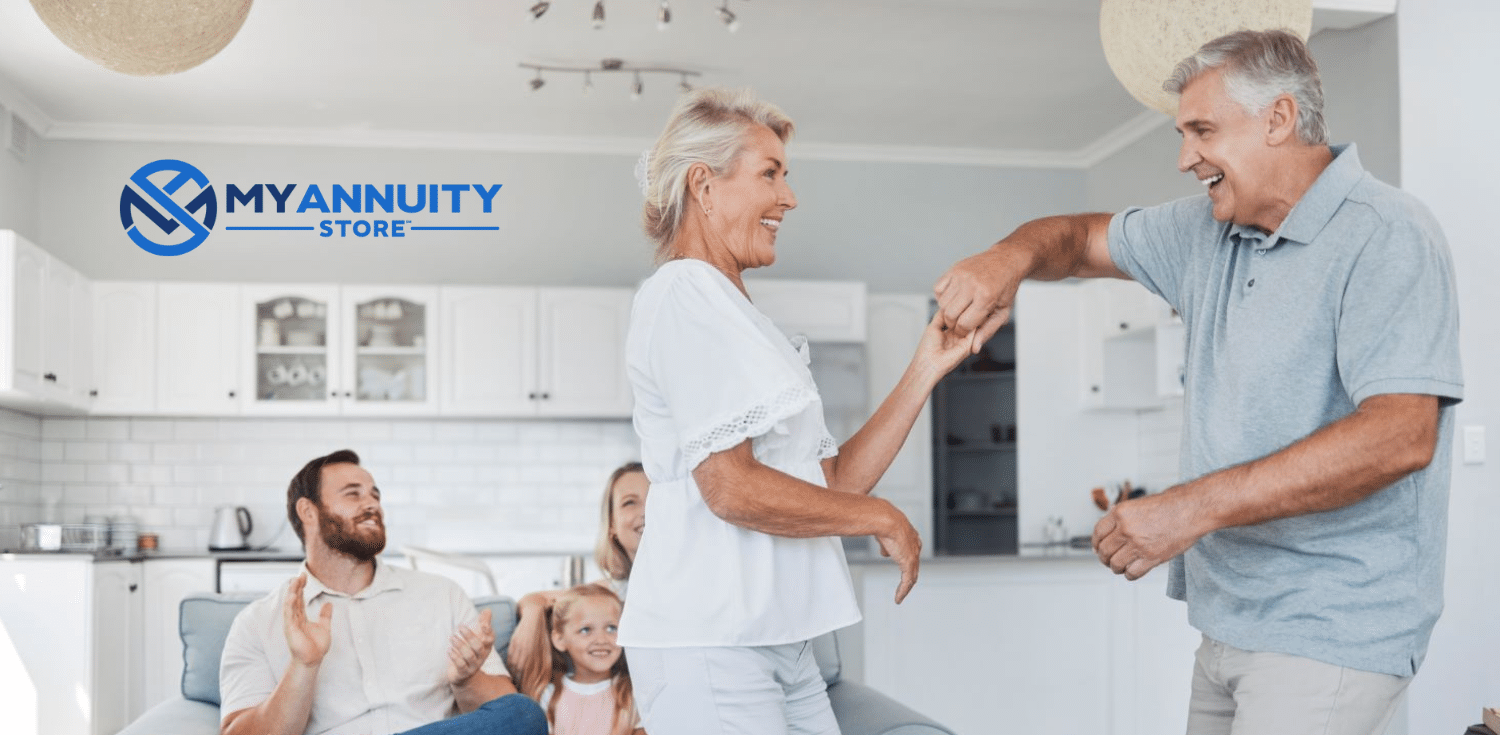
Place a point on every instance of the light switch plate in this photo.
(1473, 445)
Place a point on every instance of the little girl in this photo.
(576, 670)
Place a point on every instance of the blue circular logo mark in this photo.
(171, 215)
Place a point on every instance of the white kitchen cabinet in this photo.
(1124, 344)
(198, 348)
(165, 582)
(118, 647)
(124, 348)
(535, 352)
(44, 362)
(69, 643)
(1056, 645)
(823, 311)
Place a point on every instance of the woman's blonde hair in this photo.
(608, 552)
(707, 126)
(546, 665)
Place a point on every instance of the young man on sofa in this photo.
(353, 645)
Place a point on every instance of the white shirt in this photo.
(386, 669)
(709, 371)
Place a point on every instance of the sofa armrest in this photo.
(176, 716)
(861, 710)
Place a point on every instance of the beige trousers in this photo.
(1237, 692)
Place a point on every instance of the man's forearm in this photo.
(287, 710)
(1054, 248)
(481, 688)
(1385, 439)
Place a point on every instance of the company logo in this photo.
(418, 208)
(172, 215)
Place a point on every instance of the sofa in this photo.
(204, 620)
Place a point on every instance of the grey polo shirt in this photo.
(1352, 297)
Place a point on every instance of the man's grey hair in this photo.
(708, 126)
(1258, 67)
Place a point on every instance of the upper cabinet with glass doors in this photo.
(293, 365)
(389, 332)
(340, 350)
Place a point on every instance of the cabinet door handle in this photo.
(50, 376)
(333, 394)
(348, 394)
(133, 586)
(93, 394)
(231, 394)
(546, 396)
(531, 396)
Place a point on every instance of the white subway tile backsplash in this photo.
(64, 429)
(59, 472)
(412, 431)
(469, 485)
(150, 474)
(85, 495)
(151, 430)
(85, 451)
(51, 450)
(369, 431)
(108, 429)
(113, 473)
(129, 452)
(195, 430)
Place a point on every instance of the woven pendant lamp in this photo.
(144, 37)
(1144, 39)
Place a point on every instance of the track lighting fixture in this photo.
(663, 14)
(611, 66)
(731, 21)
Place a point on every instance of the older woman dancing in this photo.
(741, 566)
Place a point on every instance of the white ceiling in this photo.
(984, 79)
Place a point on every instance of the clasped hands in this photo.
(309, 640)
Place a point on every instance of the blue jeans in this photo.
(512, 714)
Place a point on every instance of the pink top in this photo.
(583, 709)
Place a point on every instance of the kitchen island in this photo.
(1045, 641)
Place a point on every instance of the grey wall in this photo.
(1361, 104)
(20, 182)
(564, 218)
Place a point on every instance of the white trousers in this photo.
(759, 690)
(1238, 692)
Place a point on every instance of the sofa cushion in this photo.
(204, 619)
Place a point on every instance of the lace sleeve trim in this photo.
(753, 422)
(827, 447)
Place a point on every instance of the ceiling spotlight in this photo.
(684, 86)
(637, 88)
(731, 21)
(599, 14)
(539, 10)
(663, 16)
(538, 81)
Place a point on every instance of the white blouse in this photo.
(710, 371)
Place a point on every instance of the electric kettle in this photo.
(231, 529)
